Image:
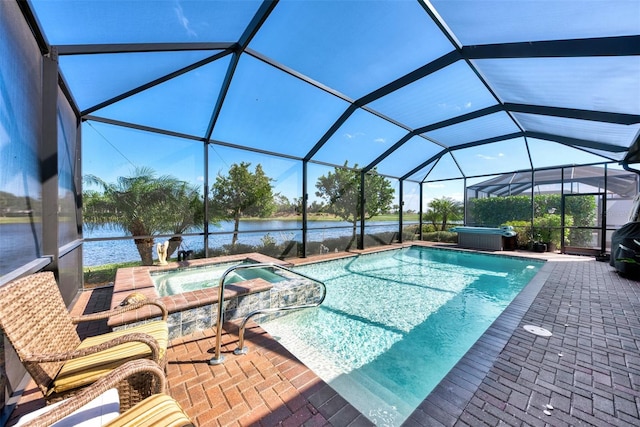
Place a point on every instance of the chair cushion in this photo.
(86, 370)
(155, 410)
(98, 412)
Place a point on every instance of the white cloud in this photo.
(380, 140)
(353, 135)
(454, 107)
(485, 157)
(183, 20)
(449, 107)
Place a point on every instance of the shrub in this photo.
(441, 236)
(547, 228)
(428, 228)
(523, 228)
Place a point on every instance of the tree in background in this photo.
(341, 190)
(432, 217)
(242, 193)
(443, 210)
(143, 205)
(284, 207)
(187, 213)
(13, 206)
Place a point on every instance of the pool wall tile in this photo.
(188, 328)
(203, 323)
(188, 315)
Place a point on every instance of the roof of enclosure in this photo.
(418, 90)
(624, 184)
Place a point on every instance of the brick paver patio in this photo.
(588, 370)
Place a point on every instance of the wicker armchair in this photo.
(157, 408)
(35, 320)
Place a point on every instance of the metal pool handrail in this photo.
(218, 358)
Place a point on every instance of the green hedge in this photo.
(510, 210)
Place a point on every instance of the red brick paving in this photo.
(266, 387)
(595, 383)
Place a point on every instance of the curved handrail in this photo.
(241, 349)
(218, 358)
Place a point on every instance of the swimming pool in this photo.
(394, 323)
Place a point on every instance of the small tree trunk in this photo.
(236, 226)
(174, 243)
(354, 237)
(145, 249)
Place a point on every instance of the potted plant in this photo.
(549, 229)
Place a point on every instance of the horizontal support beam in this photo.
(574, 113)
(602, 46)
(94, 49)
(575, 142)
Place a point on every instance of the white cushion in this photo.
(98, 412)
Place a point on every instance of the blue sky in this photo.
(343, 47)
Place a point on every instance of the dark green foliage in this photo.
(11, 205)
(441, 236)
(443, 210)
(340, 190)
(242, 193)
(144, 204)
(510, 210)
(495, 211)
(523, 228)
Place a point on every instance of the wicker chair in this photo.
(157, 408)
(35, 319)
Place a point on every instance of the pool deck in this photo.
(588, 370)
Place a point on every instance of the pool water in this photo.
(181, 280)
(394, 323)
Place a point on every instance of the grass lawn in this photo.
(99, 275)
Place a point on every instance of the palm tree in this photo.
(446, 209)
(144, 205)
(187, 212)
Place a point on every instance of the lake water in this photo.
(251, 233)
(21, 243)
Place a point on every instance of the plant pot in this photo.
(551, 247)
(539, 247)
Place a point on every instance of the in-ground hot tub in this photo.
(489, 238)
(195, 307)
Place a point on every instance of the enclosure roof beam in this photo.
(155, 82)
(576, 142)
(94, 49)
(256, 22)
(424, 164)
(462, 118)
(575, 113)
(598, 46)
